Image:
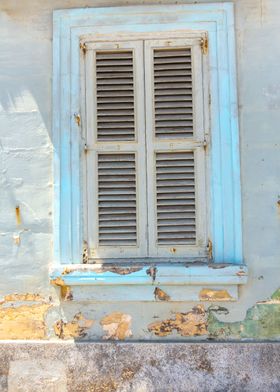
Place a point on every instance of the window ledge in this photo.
(163, 282)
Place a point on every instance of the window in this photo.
(146, 147)
(146, 161)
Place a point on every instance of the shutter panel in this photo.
(175, 153)
(117, 221)
(115, 95)
(175, 195)
(117, 218)
(173, 92)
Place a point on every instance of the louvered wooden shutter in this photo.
(176, 158)
(116, 194)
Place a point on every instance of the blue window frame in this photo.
(217, 22)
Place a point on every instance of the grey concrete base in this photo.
(139, 367)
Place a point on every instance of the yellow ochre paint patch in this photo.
(23, 322)
(72, 329)
(214, 295)
(117, 326)
(192, 323)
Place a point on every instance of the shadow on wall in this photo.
(26, 67)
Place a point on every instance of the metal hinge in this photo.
(85, 253)
(210, 249)
(83, 47)
(204, 45)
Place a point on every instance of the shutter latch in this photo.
(204, 45)
(205, 142)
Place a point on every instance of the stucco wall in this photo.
(27, 182)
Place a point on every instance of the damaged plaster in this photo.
(192, 323)
(23, 321)
(214, 295)
(117, 326)
(73, 329)
(262, 321)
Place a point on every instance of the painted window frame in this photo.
(217, 21)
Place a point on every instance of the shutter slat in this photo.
(117, 199)
(115, 89)
(173, 92)
(176, 220)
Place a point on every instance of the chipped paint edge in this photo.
(176, 281)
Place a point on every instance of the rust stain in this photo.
(161, 295)
(214, 295)
(18, 217)
(241, 273)
(193, 323)
(152, 271)
(117, 326)
(210, 250)
(77, 119)
(83, 47)
(16, 238)
(23, 322)
(66, 293)
(204, 45)
(85, 250)
(73, 329)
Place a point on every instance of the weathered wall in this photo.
(26, 220)
(139, 367)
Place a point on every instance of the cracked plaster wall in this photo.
(27, 183)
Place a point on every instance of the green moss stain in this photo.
(262, 321)
(276, 296)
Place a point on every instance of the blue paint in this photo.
(217, 20)
(176, 274)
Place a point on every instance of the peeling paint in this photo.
(262, 321)
(193, 323)
(73, 329)
(152, 271)
(276, 295)
(161, 295)
(120, 270)
(214, 295)
(66, 293)
(117, 326)
(23, 297)
(23, 322)
(58, 282)
(16, 238)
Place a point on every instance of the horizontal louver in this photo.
(175, 186)
(117, 199)
(115, 95)
(173, 103)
